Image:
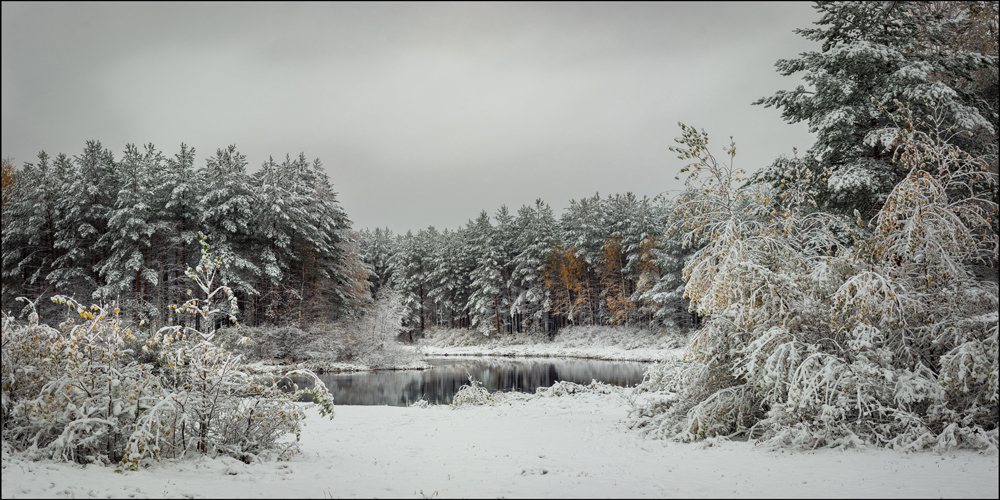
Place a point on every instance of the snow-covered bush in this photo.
(421, 403)
(564, 388)
(366, 337)
(891, 341)
(73, 394)
(211, 405)
(78, 393)
(370, 336)
(266, 343)
(28, 361)
(471, 394)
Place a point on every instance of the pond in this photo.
(440, 383)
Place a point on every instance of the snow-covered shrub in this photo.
(29, 360)
(266, 343)
(471, 394)
(370, 336)
(73, 394)
(891, 341)
(452, 337)
(78, 394)
(564, 388)
(211, 404)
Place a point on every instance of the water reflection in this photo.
(440, 383)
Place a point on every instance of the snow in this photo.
(588, 342)
(612, 353)
(526, 446)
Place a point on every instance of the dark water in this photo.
(440, 383)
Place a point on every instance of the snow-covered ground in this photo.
(560, 446)
(617, 344)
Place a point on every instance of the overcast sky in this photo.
(423, 114)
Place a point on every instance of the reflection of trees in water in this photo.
(440, 383)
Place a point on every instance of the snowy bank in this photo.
(588, 342)
(265, 368)
(526, 446)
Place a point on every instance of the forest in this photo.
(125, 230)
(843, 296)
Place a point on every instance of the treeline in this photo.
(604, 261)
(125, 230)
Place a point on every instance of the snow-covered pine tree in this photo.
(377, 250)
(536, 235)
(86, 204)
(127, 270)
(661, 287)
(333, 287)
(277, 216)
(875, 53)
(465, 263)
(488, 286)
(29, 236)
(504, 246)
(71, 269)
(226, 214)
(178, 204)
(631, 226)
(299, 235)
(412, 269)
(583, 234)
(449, 279)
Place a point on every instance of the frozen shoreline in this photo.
(606, 343)
(557, 351)
(560, 446)
(599, 343)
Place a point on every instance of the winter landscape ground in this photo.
(571, 445)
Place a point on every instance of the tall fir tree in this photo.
(873, 55)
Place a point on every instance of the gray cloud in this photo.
(424, 114)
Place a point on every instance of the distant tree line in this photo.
(605, 261)
(125, 230)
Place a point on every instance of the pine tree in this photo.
(661, 289)
(485, 302)
(873, 55)
(583, 231)
(127, 269)
(92, 195)
(377, 250)
(449, 279)
(226, 215)
(412, 268)
(29, 236)
(536, 235)
(339, 264)
(177, 202)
